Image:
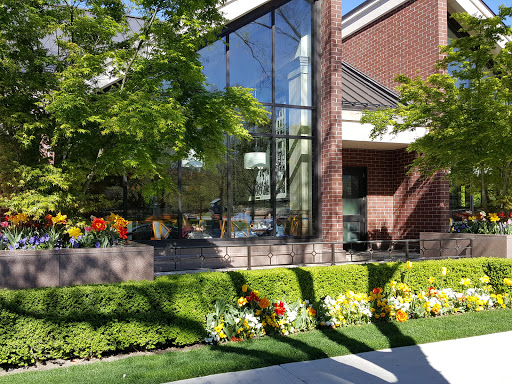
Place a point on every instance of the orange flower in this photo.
(98, 224)
(264, 303)
(401, 316)
(311, 311)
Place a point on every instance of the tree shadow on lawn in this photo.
(403, 364)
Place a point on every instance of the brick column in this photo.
(330, 120)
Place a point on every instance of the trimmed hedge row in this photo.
(90, 321)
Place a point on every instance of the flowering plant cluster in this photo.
(485, 223)
(253, 316)
(55, 232)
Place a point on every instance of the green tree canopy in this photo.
(87, 93)
(468, 112)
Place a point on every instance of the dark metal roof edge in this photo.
(391, 97)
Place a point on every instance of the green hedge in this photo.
(90, 321)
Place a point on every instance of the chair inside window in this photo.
(240, 228)
(160, 231)
(222, 225)
(294, 226)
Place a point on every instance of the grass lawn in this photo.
(207, 360)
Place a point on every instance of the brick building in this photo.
(313, 172)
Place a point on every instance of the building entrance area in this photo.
(354, 206)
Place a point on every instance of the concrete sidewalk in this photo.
(479, 359)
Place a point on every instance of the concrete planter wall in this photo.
(65, 267)
(483, 245)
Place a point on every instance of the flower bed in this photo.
(58, 252)
(254, 316)
(20, 232)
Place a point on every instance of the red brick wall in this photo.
(330, 121)
(404, 41)
(399, 205)
(420, 205)
(380, 188)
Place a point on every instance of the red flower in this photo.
(49, 221)
(432, 291)
(279, 309)
(98, 224)
(253, 296)
(501, 215)
(123, 233)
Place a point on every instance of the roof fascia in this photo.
(235, 9)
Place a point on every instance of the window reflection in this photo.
(293, 121)
(213, 59)
(203, 199)
(294, 187)
(251, 204)
(293, 53)
(250, 57)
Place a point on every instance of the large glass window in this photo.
(213, 58)
(294, 183)
(203, 199)
(264, 189)
(293, 53)
(250, 55)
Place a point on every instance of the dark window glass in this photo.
(251, 204)
(294, 186)
(293, 53)
(250, 55)
(213, 58)
(204, 199)
(265, 128)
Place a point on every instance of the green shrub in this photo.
(94, 320)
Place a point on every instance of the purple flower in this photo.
(32, 240)
(97, 245)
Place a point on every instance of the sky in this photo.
(348, 5)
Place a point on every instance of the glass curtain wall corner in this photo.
(264, 189)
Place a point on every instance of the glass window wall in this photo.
(264, 189)
(250, 56)
(293, 53)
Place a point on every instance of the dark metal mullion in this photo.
(228, 143)
(180, 203)
(273, 187)
(315, 95)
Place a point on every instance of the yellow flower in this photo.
(242, 301)
(59, 219)
(465, 281)
(507, 281)
(472, 218)
(484, 279)
(75, 232)
(443, 271)
(409, 265)
(244, 288)
(19, 218)
(431, 280)
(436, 308)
